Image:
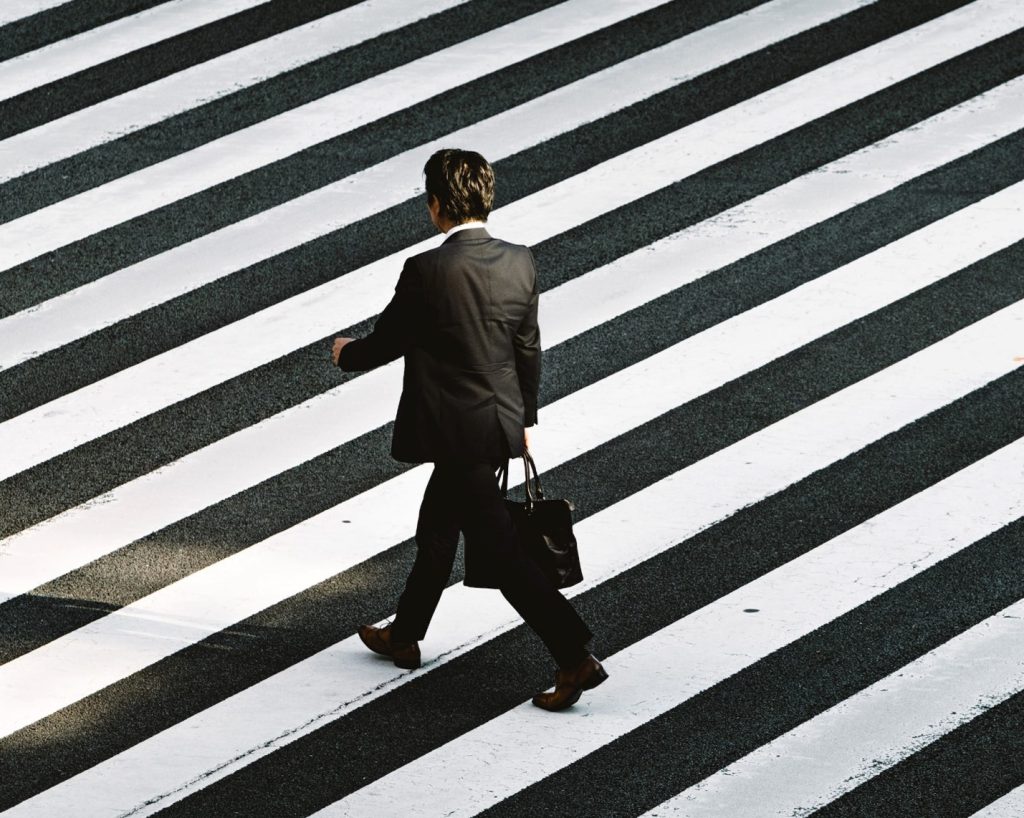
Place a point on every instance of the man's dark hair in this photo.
(463, 183)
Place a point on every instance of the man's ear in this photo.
(434, 208)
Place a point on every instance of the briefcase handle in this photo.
(532, 493)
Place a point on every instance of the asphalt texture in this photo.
(124, 454)
(62, 21)
(956, 775)
(142, 66)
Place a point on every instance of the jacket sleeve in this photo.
(394, 329)
(527, 351)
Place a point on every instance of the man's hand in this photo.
(339, 344)
(526, 438)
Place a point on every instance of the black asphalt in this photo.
(956, 775)
(63, 21)
(335, 158)
(929, 450)
(776, 694)
(121, 455)
(253, 515)
(857, 648)
(142, 66)
(527, 172)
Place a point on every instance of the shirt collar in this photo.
(464, 226)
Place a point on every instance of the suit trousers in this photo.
(465, 496)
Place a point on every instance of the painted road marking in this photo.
(207, 81)
(519, 748)
(878, 727)
(1010, 805)
(135, 392)
(65, 57)
(84, 661)
(300, 433)
(253, 723)
(342, 111)
(118, 295)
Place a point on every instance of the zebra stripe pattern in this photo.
(780, 246)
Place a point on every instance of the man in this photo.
(464, 316)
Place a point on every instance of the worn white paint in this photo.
(1010, 805)
(137, 391)
(876, 555)
(519, 748)
(12, 10)
(159, 278)
(107, 42)
(207, 81)
(875, 729)
(300, 433)
(166, 621)
(339, 112)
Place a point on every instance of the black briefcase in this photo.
(544, 528)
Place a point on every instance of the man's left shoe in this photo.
(570, 684)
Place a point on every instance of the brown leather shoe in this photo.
(570, 684)
(405, 654)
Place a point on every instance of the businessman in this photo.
(464, 317)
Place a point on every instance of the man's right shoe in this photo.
(570, 684)
(405, 654)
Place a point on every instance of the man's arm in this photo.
(392, 331)
(527, 351)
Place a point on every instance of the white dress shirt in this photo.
(464, 226)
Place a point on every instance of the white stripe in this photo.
(77, 664)
(159, 278)
(1010, 805)
(302, 432)
(87, 413)
(320, 424)
(12, 10)
(324, 118)
(519, 748)
(877, 728)
(241, 729)
(65, 57)
(216, 78)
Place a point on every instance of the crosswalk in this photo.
(780, 246)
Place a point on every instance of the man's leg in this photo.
(523, 584)
(437, 539)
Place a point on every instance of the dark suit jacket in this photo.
(464, 315)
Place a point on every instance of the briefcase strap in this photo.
(534, 491)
